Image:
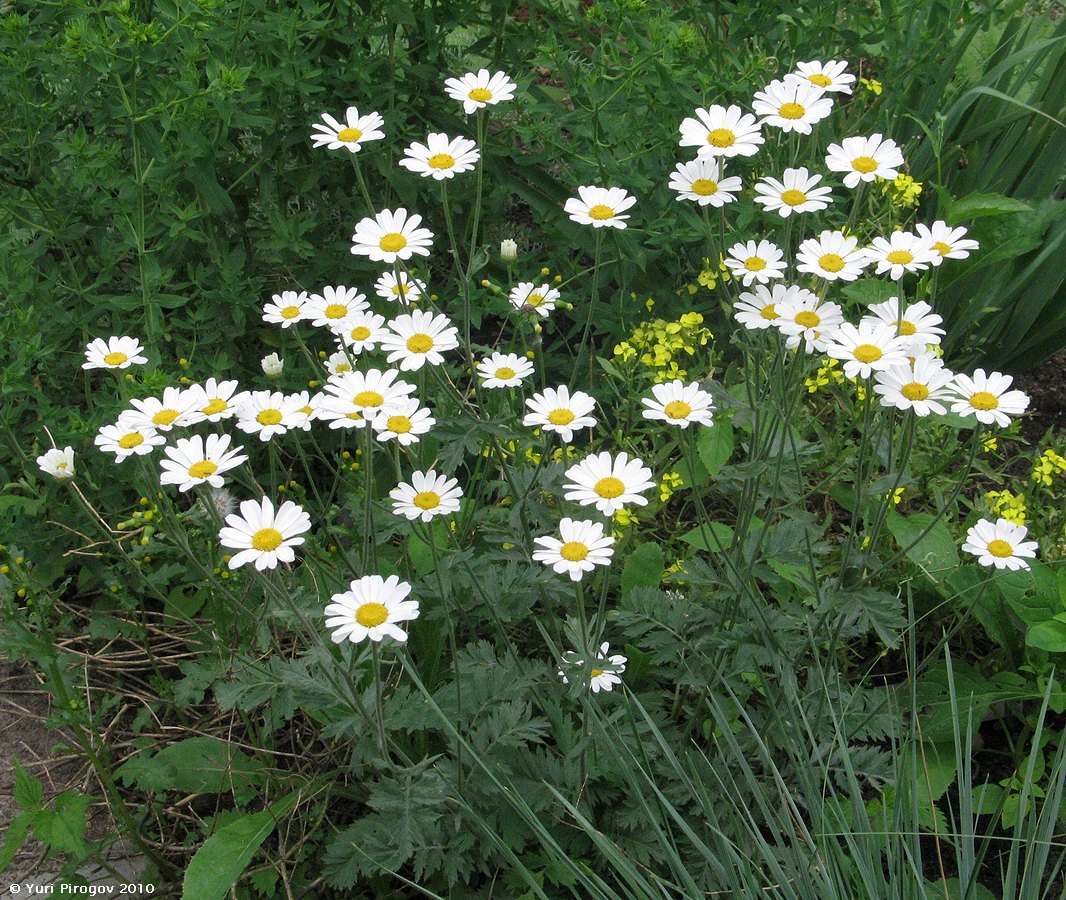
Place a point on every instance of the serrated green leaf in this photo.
(63, 826)
(28, 790)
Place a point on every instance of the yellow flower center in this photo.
(340, 369)
(215, 406)
(560, 417)
(354, 416)
(336, 311)
(290, 312)
(942, 248)
(769, 312)
(704, 187)
(534, 300)
(1000, 548)
(900, 257)
(610, 487)
(165, 417)
(306, 410)
(420, 343)
(393, 242)
(864, 164)
(269, 417)
(793, 197)
(820, 80)
(399, 424)
(721, 138)
(203, 469)
(441, 161)
(368, 398)
(596, 673)
(266, 539)
(677, 409)
(481, 95)
(755, 264)
(599, 212)
(573, 551)
(349, 135)
(370, 615)
(359, 333)
(984, 400)
(914, 391)
(808, 319)
(505, 372)
(831, 262)
(907, 328)
(115, 359)
(791, 111)
(131, 440)
(868, 353)
(426, 500)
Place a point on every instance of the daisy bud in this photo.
(272, 365)
(58, 463)
(508, 250)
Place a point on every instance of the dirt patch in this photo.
(1046, 387)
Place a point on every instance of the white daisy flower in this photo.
(334, 305)
(361, 331)
(605, 668)
(403, 421)
(309, 410)
(864, 159)
(1001, 544)
(987, 397)
(57, 463)
(607, 482)
(805, 319)
(947, 242)
(263, 536)
(702, 181)
(419, 337)
(918, 323)
(267, 413)
(354, 398)
(504, 370)
(427, 496)
(797, 192)
(349, 134)
(582, 548)
(751, 261)
(599, 207)
(285, 309)
(832, 256)
(718, 131)
(370, 608)
(919, 386)
(114, 353)
(194, 461)
(868, 348)
(338, 363)
(757, 309)
(900, 252)
(679, 404)
(175, 409)
(125, 439)
(556, 409)
(214, 400)
(792, 105)
(441, 157)
(831, 76)
(404, 290)
(476, 91)
(391, 235)
(541, 299)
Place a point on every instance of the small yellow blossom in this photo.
(828, 373)
(903, 192)
(671, 481)
(897, 496)
(872, 85)
(1047, 467)
(989, 444)
(1007, 506)
(624, 518)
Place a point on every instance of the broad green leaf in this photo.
(716, 536)
(976, 205)
(194, 766)
(1049, 635)
(715, 445)
(63, 826)
(935, 551)
(644, 568)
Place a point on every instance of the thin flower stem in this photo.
(583, 346)
(362, 182)
(379, 706)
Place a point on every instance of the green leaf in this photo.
(869, 291)
(644, 568)
(934, 552)
(62, 828)
(715, 445)
(217, 865)
(15, 836)
(194, 766)
(1049, 635)
(974, 206)
(716, 536)
(28, 789)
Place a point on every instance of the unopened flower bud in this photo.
(508, 250)
(272, 365)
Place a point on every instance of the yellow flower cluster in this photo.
(624, 518)
(655, 344)
(709, 276)
(872, 85)
(1007, 506)
(903, 192)
(671, 482)
(828, 373)
(1047, 467)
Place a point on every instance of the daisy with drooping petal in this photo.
(988, 397)
(391, 235)
(1001, 544)
(196, 460)
(607, 482)
(114, 353)
(702, 180)
(441, 157)
(403, 289)
(751, 261)
(350, 134)
(900, 252)
(504, 370)
(57, 463)
(528, 296)
(864, 159)
(476, 91)
(418, 338)
(285, 309)
(947, 242)
(310, 406)
(125, 439)
(214, 400)
(556, 409)
(718, 131)
(605, 668)
(919, 386)
(361, 331)
(918, 323)
(599, 207)
(757, 310)
(338, 363)
(427, 496)
(334, 305)
(370, 609)
(175, 409)
(263, 536)
(805, 319)
(832, 256)
(797, 192)
(403, 421)
(792, 105)
(868, 348)
(267, 413)
(582, 548)
(831, 77)
(352, 399)
(679, 404)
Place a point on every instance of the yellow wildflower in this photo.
(1049, 465)
(903, 191)
(1007, 506)
(872, 85)
(671, 481)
